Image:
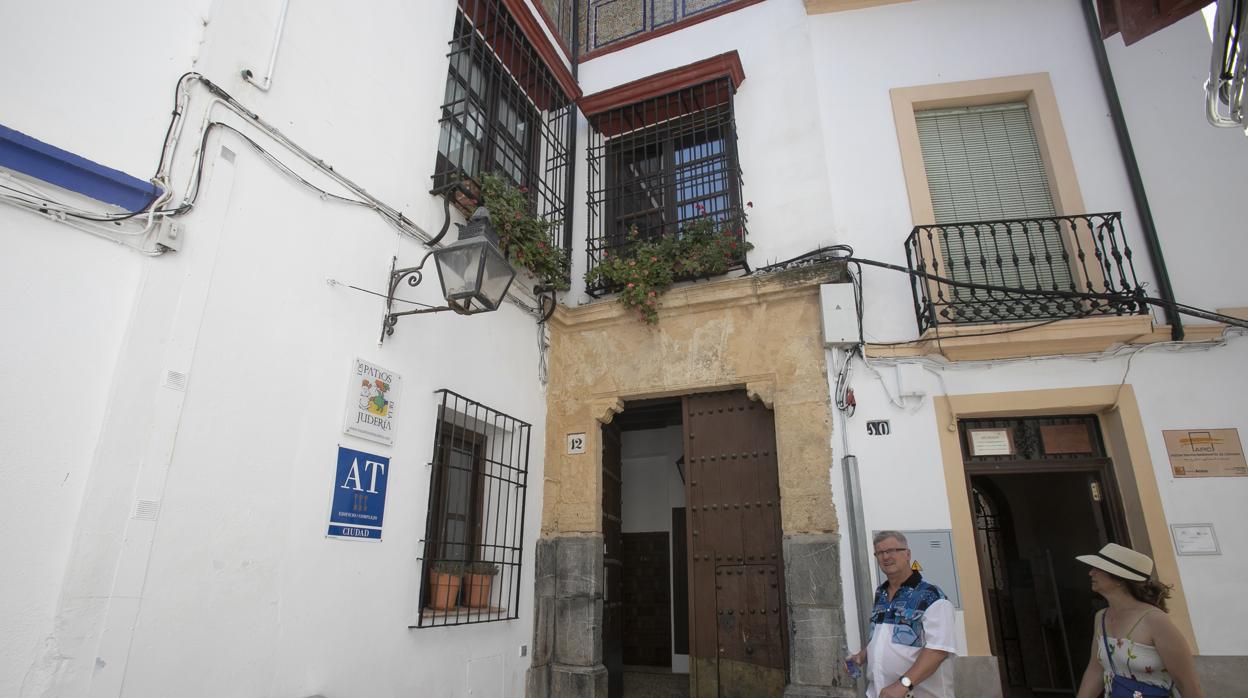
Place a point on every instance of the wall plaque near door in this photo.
(1066, 438)
(990, 442)
(1195, 539)
(1205, 453)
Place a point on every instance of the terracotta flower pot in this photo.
(444, 590)
(478, 590)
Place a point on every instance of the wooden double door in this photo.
(738, 644)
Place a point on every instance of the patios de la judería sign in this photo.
(372, 402)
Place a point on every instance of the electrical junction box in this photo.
(837, 306)
(932, 549)
(170, 234)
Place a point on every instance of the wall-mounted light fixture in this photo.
(474, 273)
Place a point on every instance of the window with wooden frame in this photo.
(457, 493)
(662, 153)
(488, 123)
(474, 530)
(506, 110)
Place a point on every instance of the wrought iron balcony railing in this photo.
(1021, 270)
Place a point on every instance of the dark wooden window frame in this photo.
(455, 438)
(678, 110)
(690, 131)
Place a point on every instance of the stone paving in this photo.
(653, 685)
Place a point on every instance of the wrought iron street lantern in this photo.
(474, 273)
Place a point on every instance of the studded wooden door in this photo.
(738, 643)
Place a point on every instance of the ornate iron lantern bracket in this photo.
(414, 276)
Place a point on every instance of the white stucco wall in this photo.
(1189, 169)
(1193, 173)
(67, 298)
(1175, 390)
(66, 302)
(235, 590)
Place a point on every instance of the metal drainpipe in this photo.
(1133, 170)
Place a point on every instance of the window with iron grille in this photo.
(658, 164)
(504, 112)
(474, 530)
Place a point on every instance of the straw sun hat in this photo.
(1120, 562)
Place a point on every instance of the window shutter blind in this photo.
(984, 164)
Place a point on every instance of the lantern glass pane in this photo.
(459, 267)
(498, 276)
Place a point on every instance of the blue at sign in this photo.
(359, 495)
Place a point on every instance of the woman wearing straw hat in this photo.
(1136, 651)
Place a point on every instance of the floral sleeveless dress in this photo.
(1133, 659)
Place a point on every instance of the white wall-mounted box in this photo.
(840, 316)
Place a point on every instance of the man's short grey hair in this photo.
(885, 535)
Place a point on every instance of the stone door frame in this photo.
(761, 334)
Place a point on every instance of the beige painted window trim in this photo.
(1123, 428)
(1036, 91)
(818, 7)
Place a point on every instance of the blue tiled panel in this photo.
(611, 21)
(616, 20)
(662, 12)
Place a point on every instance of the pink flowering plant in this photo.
(522, 236)
(647, 268)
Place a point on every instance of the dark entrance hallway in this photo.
(645, 642)
(1035, 508)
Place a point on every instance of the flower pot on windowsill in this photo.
(478, 580)
(445, 579)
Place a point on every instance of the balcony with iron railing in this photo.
(1022, 270)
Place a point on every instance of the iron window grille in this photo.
(658, 164)
(504, 112)
(475, 521)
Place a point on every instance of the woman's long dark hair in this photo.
(1151, 591)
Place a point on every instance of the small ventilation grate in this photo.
(146, 509)
(175, 380)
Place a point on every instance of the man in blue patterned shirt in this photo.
(912, 630)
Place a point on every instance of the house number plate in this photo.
(576, 444)
(878, 427)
